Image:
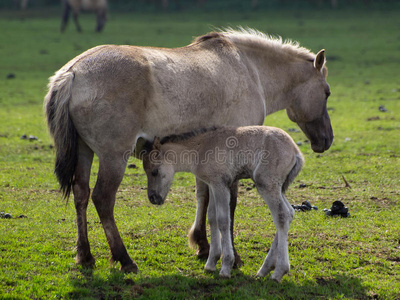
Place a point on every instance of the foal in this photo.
(219, 157)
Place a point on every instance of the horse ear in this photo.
(156, 143)
(319, 61)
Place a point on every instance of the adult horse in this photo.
(106, 99)
(97, 6)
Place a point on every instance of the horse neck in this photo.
(277, 77)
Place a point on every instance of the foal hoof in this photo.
(130, 268)
(224, 274)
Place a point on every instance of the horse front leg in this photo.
(81, 192)
(101, 19)
(198, 234)
(111, 172)
(78, 26)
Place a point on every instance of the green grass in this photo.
(331, 258)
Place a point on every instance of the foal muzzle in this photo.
(156, 199)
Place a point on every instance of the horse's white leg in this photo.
(198, 234)
(282, 214)
(111, 172)
(215, 247)
(81, 192)
(221, 195)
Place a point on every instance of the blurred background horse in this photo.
(100, 7)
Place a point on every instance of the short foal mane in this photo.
(257, 39)
(174, 138)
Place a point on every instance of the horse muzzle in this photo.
(319, 132)
(156, 199)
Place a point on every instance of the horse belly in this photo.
(93, 4)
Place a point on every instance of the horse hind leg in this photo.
(81, 192)
(111, 172)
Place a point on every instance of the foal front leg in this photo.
(198, 234)
(215, 247)
(221, 197)
(233, 201)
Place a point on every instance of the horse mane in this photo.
(174, 138)
(257, 39)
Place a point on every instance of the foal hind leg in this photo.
(282, 214)
(81, 192)
(111, 172)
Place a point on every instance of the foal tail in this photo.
(62, 129)
(294, 172)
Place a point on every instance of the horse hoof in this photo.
(202, 253)
(130, 268)
(86, 261)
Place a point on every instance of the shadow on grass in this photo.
(117, 285)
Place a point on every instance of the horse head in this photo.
(308, 108)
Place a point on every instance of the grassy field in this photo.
(331, 258)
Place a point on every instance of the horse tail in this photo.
(62, 128)
(294, 172)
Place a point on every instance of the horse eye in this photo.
(154, 172)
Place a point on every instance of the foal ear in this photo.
(156, 143)
(319, 60)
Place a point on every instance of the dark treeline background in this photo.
(209, 5)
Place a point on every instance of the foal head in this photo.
(308, 108)
(160, 172)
